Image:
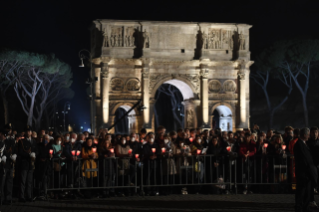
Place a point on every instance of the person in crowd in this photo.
(247, 151)
(213, 164)
(28, 151)
(69, 151)
(89, 155)
(261, 161)
(8, 150)
(125, 170)
(58, 163)
(179, 136)
(151, 152)
(198, 131)
(313, 144)
(143, 134)
(187, 133)
(34, 135)
(292, 143)
(107, 167)
(168, 164)
(269, 135)
(86, 134)
(306, 172)
(44, 168)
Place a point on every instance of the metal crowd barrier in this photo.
(177, 171)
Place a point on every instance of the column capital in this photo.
(104, 70)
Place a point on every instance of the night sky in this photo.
(61, 27)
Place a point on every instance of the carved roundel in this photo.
(214, 86)
(133, 85)
(229, 86)
(117, 84)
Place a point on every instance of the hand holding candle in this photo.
(94, 150)
(191, 139)
(51, 151)
(73, 152)
(112, 150)
(198, 151)
(283, 147)
(265, 145)
(163, 150)
(78, 153)
(153, 150)
(130, 151)
(228, 148)
(137, 155)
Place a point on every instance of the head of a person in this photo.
(179, 132)
(261, 136)
(50, 133)
(160, 130)
(173, 135)
(34, 134)
(73, 137)
(187, 133)
(89, 142)
(29, 133)
(230, 135)
(198, 139)
(254, 136)
(123, 140)
(314, 133)
(150, 138)
(270, 133)
(58, 140)
(128, 138)
(132, 137)
(224, 136)
(256, 127)
(247, 137)
(192, 133)
(86, 134)
(198, 131)
(215, 140)
(18, 137)
(278, 139)
(67, 137)
(166, 138)
(205, 133)
(143, 133)
(304, 134)
(46, 139)
(296, 133)
(81, 138)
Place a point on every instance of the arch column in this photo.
(105, 84)
(146, 97)
(204, 96)
(242, 98)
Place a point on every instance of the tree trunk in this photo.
(30, 115)
(6, 108)
(305, 110)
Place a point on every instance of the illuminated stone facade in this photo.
(208, 62)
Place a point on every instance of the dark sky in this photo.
(61, 27)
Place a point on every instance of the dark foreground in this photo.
(251, 202)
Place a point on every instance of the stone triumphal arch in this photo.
(208, 62)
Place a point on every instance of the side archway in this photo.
(222, 115)
(131, 122)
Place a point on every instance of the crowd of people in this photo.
(48, 160)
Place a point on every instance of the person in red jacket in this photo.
(247, 150)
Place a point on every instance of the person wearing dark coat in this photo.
(306, 172)
(10, 152)
(28, 151)
(71, 160)
(313, 144)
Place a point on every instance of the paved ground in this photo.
(247, 203)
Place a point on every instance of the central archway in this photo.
(223, 118)
(169, 108)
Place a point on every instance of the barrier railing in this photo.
(222, 172)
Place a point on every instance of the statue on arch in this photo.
(105, 39)
(241, 39)
(146, 37)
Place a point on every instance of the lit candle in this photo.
(78, 153)
(191, 139)
(112, 150)
(73, 152)
(130, 151)
(163, 150)
(199, 151)
(95, 141)
(136, 155)
(51, 151)
(228, 148)
(153, 150)
(283, 147)
(265, 145)
(94, 150)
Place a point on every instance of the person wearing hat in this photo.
(8, 131)
(27, 152)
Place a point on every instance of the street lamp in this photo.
(67, 106)
(90, 81)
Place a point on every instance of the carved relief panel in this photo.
(214, 86)
(218, 39)
(229, 86)
(131, 84)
